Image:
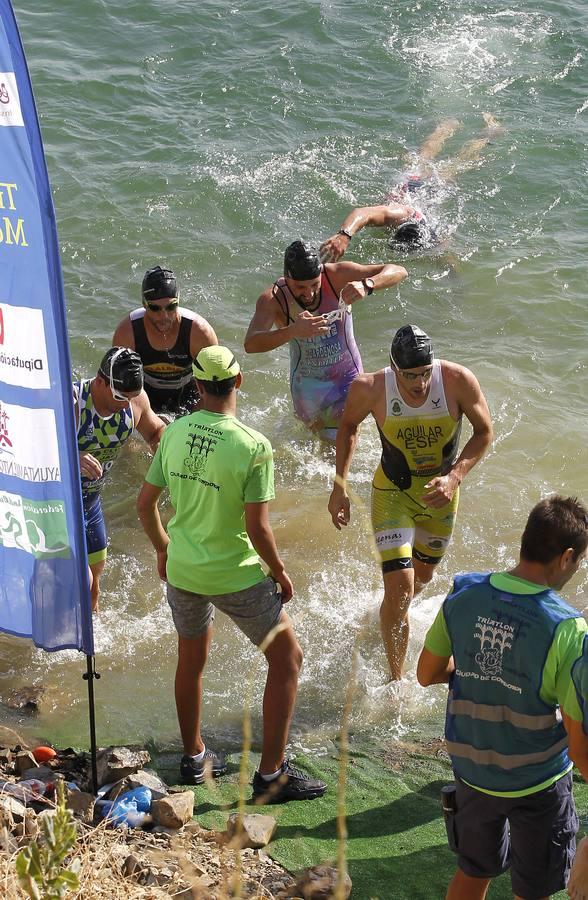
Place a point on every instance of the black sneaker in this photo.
(291, 784)
(192, 771)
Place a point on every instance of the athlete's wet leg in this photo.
(433, 144)
(423, 573)
(96, 570)
(471, 151)
(400, 586)
(398, 592)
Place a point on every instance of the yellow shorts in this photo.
(404, 528)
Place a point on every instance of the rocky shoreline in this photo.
(157, 850)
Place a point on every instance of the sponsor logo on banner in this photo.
(28, 443)
(23, 351)
(37, 527)
(10, 113)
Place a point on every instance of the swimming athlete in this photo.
(406, 211)
(309, 309)
(167, 337)
(418, 403)
(107, 408)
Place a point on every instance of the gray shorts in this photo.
(256, 610)
(534, 835)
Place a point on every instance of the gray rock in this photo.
(175, 810)
(143, 778)
(81, 804)
(25, 761)
(320, 883)
(12, 811)
(251, 831)
(115, 763)
(26, 698)
(133, 867)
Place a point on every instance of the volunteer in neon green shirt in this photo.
(219, 473)
(506, 644)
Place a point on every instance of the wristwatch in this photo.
(345, 232)
(368, 284)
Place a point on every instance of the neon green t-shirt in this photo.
(212, 465)
(565, 649)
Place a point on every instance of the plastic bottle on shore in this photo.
(25, 791)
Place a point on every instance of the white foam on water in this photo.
(575, 63)
(460, 54)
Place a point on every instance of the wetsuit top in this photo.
(322, 367)
(102, 437)
(417, 441)
(168, 373)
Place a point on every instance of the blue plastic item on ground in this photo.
(129, 810)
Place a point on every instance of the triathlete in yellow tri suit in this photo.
(418, 403)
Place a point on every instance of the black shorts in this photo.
(534, 836)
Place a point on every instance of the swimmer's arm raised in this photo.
(357, 407)
(347, 278)
(382, 216)
(266, 332)
(463, 385)
(260, 533)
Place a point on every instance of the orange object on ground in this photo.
(44, 754)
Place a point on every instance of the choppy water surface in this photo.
(209, 135)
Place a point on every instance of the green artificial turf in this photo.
(396, 846)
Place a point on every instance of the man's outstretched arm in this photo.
(382, 216)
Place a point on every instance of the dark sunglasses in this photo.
(154, 307)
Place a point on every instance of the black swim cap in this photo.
(126, 368)
(158, 284)
(413, 234)
(302, 261)
(411, 348)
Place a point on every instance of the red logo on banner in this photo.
(4, 439)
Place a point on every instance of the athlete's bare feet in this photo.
(493, 126)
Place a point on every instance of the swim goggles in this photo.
(154, 307)
(338, 314)
(116, 395)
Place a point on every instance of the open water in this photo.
(208, 135)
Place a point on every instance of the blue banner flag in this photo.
(44, 590)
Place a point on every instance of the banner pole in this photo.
(89, 676)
